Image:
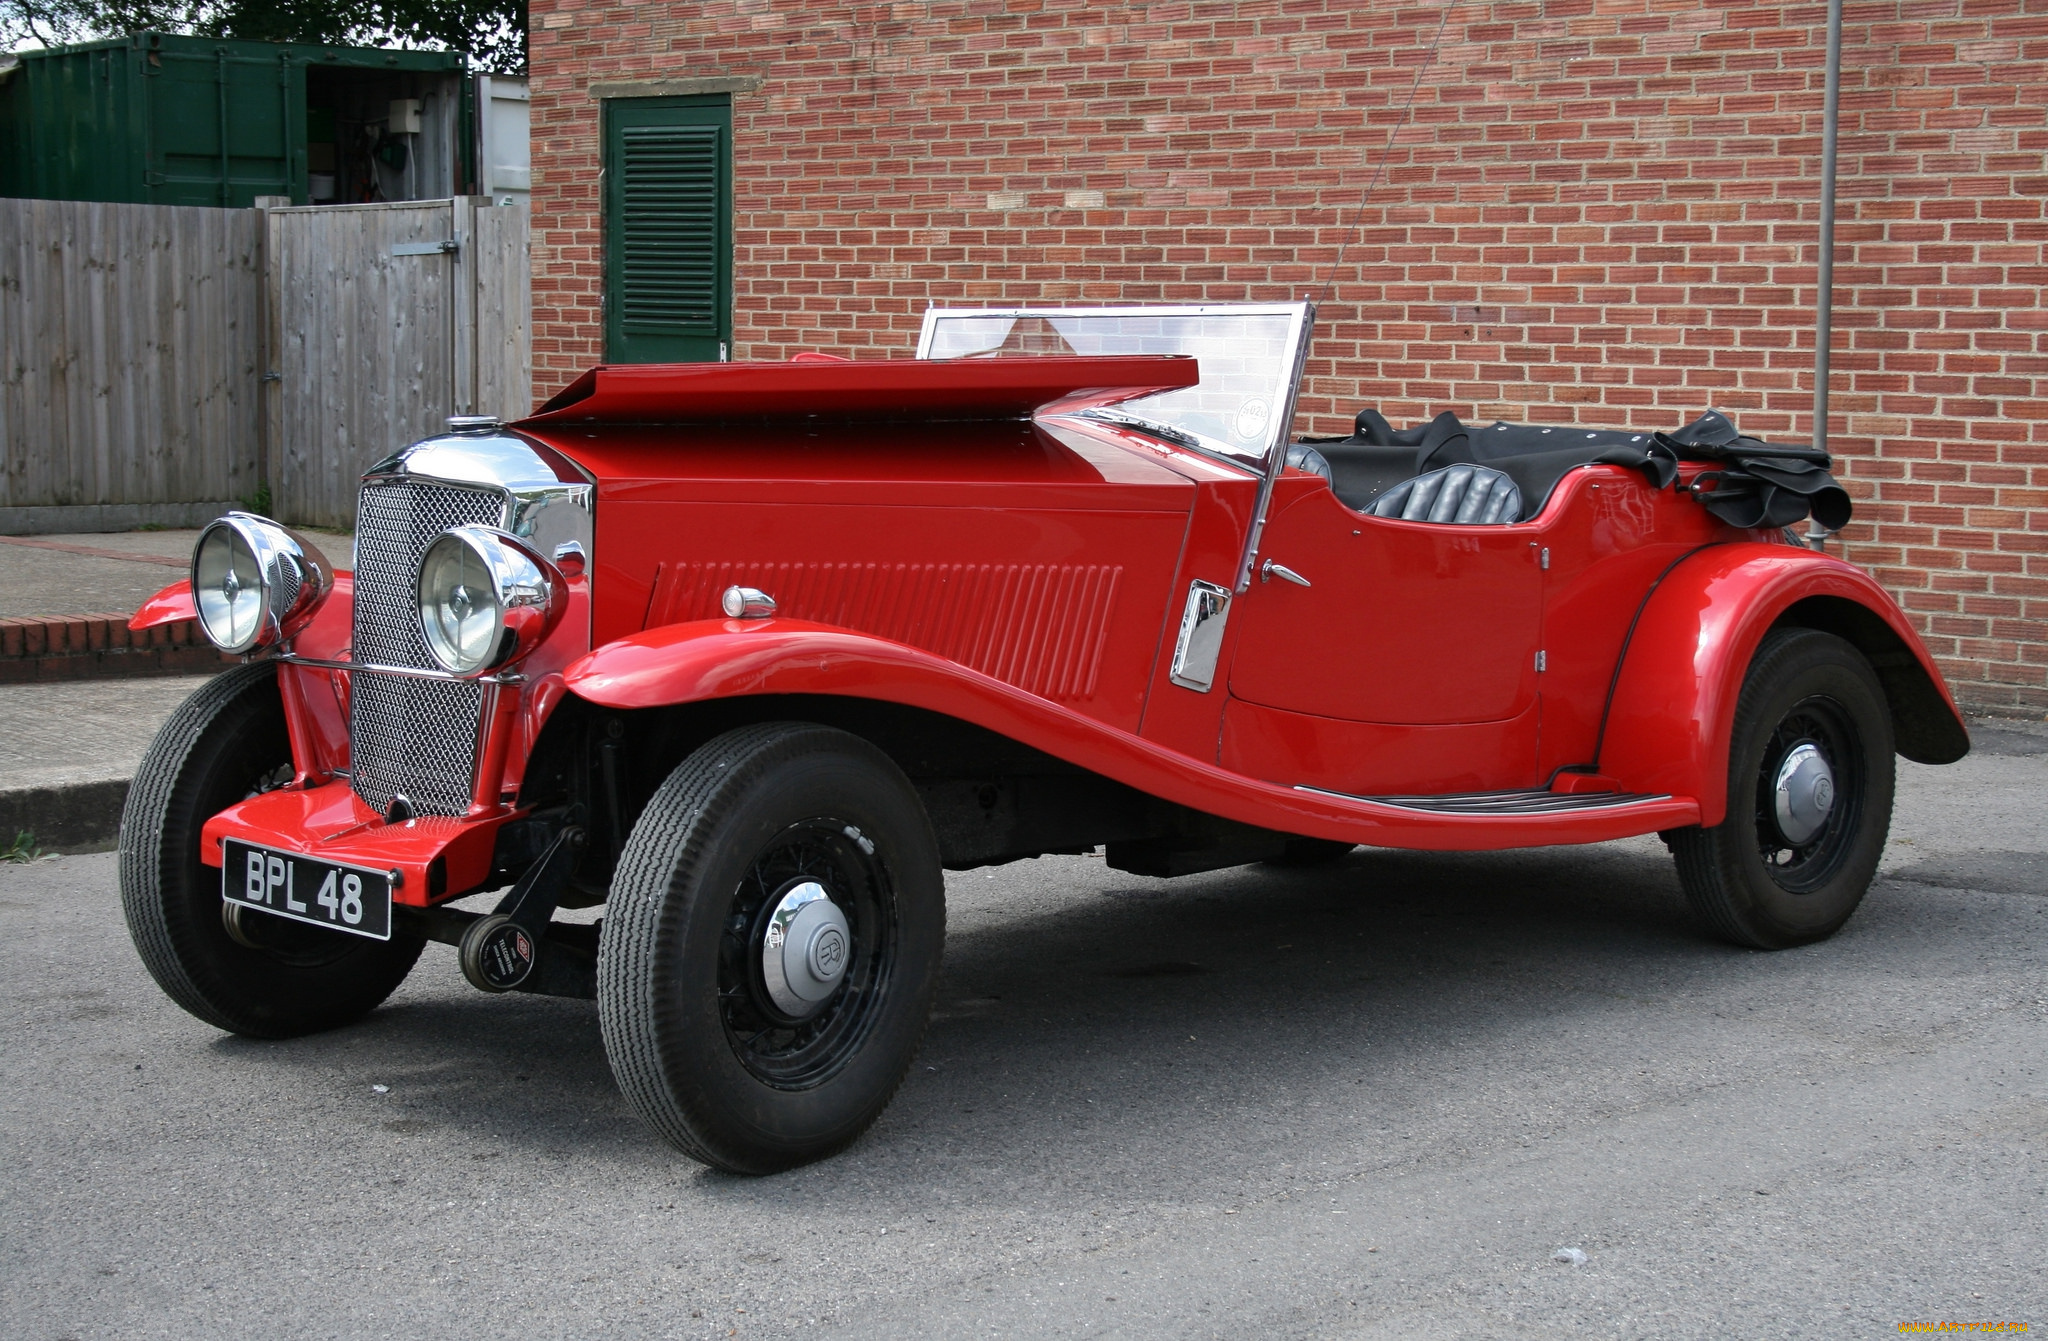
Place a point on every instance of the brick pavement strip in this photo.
(74, 647)
(97, 551)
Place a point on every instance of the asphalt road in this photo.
(1367, 1101)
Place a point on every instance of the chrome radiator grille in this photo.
(415, 737)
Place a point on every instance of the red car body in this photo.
(748, 653)
(951, 538)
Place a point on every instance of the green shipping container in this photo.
(156, 118)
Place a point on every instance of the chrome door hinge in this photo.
(1542, 662)
(1201, 636)
(1543, 560)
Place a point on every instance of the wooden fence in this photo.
(130, 352)
(156, 362)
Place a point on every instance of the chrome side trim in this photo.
(1201, 636)
(1500, 803)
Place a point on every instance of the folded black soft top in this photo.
(1755, 484)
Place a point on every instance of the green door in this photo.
(221, 125)
(667, 229)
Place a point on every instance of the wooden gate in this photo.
(383, 321)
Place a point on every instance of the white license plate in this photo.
(340, 898)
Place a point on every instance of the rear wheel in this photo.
(237, 969)
(771, 946)
(1810, 777)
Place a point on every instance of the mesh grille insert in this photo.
(416, 737)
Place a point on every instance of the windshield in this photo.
(1250, 358)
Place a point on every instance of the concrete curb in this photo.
(68, 817)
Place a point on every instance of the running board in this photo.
(1502, 803)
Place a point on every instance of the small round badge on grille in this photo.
(498, 954)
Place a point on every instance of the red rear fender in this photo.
(1673, 711)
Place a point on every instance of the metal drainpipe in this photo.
(220, 84)
(1816, 534)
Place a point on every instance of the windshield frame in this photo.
(1264, 465)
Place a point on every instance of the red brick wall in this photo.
(1599, 212)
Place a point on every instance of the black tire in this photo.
(689, 1026)
(1744, 878)
(1307, 853)
(224, 743)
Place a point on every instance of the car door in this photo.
(1411, 641)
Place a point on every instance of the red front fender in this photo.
(170, 606)
(714, 659)
(1673, 712)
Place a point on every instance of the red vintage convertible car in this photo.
(752, 653)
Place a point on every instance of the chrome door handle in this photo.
(1270, 570)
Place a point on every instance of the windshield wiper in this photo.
(1152, 426)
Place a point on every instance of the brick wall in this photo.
(1600, 212)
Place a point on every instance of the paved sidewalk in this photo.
(68, 750)
(69, 747)
(73, 574)
(53, 735)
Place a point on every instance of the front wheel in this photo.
(1810, 776)
(771, 947)
(237, 969)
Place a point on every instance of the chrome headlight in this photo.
(486, 600)
(255, 582)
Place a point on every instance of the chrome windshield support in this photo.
(1276, 458)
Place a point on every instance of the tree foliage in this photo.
(492, 33)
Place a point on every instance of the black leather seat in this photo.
(1378, 458)
(1304, 457)
(1446, 471)
(1461, 495)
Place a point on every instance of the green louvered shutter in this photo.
(668, 229)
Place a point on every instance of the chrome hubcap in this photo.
(1803, 793)
(805, 950)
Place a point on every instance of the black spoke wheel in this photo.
(1806, 858)
(236, 969)
(1810, 779)
(797, 1049)
(771, 947)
